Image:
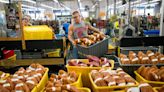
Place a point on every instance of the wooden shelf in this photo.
(9, 39)
(27, 62)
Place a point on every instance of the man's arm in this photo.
(94, 29)
(70, 33)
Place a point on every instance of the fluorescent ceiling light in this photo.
(80, 4)
(31, 1)
(43, 5)
(65, 7)
(94, 5)
(28, 6)
(56, 1)
(4, 1)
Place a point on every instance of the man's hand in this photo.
(103, 34)
(74, 43)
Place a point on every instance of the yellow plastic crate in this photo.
(85, 71)
(84, 89)
(139, 78)
(80, 89)
(156, 89)
(55, 53)
(78, 83)
(7, 75)
(96, 88)
(13, 58)
(38, 32)
(42, 82)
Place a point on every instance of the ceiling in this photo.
(72, 4)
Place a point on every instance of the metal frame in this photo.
(142, 41)
(162, 25)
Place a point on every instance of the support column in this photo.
(114, 7)
(129, 12)
(162, 24)
(97, 9)
(107, 10)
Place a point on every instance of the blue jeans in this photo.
(75, 52)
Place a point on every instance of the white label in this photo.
(119, 69)
(134, 54)
(98, 35)
(126, 76)
(53, 89)
(105, 59)
(55, 80)
(151, 54)
(121, 84)
(154, 60)
(31, 68)
(15, 75)
(64, 75)
(38, 69)
(133, 89)
(162, 58)
(156, 76)
(25, 76)
(77, 61)
(143, 85)
(106, 77)
(14, 80)
(115, 77)
(94, 38)
(35, 75)
(93, 71)
(6, 85)
(130, 84)
(2, 81)
(111, 83)
(29, 78)
(19, 85)
(121, 72)
(68, 87)
(107, 64)
(3, 75)
(28, 71)
(19, 91)
(20, 71)
(31, 82)
(104, 71)
(112, 72)
(98, 79)
(39, 74)
(78, 40)
(135, 59)
(145, 58)
(126, 59)
(20, 77)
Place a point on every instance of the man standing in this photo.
(149, 20)
(79, 29)
(65, 27)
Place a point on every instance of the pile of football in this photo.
(93, 62)
(90, 39)
(61, 82)
(107, 77)
(24, 80)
